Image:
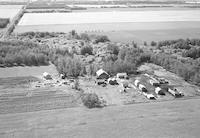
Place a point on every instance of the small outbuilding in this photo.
(112, 81)
(159, 91)
(122, 75)
(101, 74)
(47, 76)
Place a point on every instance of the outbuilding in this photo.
(101, 74)
(112, 81)
(122, 75)
(159, 91)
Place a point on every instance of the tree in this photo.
(153, 43)
(145, 43)
(101, 38)
(70, 67)
(86, 50)
(91, 100)
(85, 37)
(113, 48)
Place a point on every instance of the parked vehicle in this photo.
(149, 96)
(163, 81)
(142, 88)
(175, 92)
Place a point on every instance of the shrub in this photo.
(119, 66)
(153, 43)
(74, 34)
(193, 53)
(113, 48)
(20, 52)
(145, 43)
(4, 22)
(69, 66)
(38, 34)
(85, 37)
(91, 100)
(86, 50)
(101, 38)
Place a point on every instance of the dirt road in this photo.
(178, 118)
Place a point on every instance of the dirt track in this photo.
(179, 118)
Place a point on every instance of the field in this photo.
(108, 17)
(9, 11)
(19, 94)
(138, 25)
(166, 119)
(32, 105)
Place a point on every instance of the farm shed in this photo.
(47, 76)
(154, 82)
(122, 75)
(159, 91)
(142, 88)
(101, 74)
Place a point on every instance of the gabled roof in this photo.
(101, 71)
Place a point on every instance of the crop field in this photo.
(108, 17)
(9, 11)
(138, 25)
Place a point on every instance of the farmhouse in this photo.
(101, 74)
